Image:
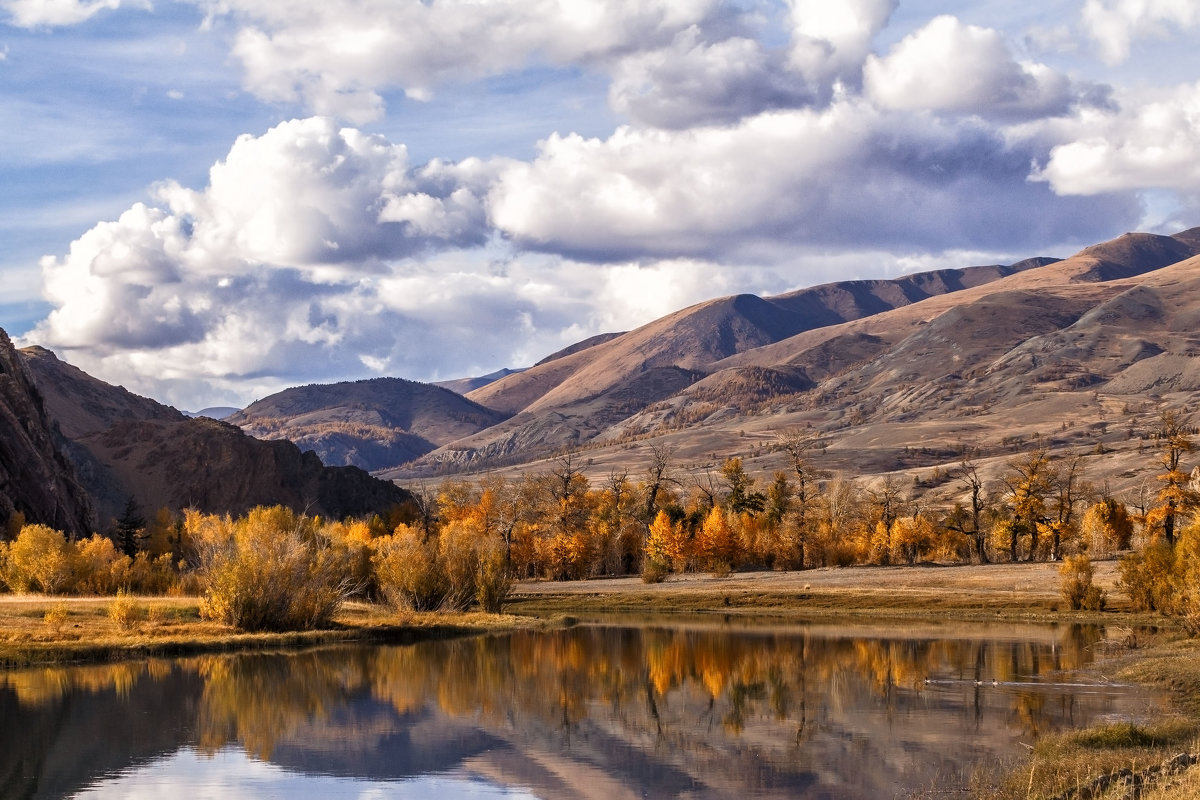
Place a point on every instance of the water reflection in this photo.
(595, 711)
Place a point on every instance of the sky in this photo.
(207, 201)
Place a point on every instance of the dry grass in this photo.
(970, 592)
(1072, 764)
(82, 629)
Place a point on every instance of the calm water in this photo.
(596, 711)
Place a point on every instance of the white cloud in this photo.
(1114, 24)
(36, 13)
(694, 81)
(1152, 142)
(832, 177)
(830, 40)
(951, 66)
(312, 253)
(336, 58)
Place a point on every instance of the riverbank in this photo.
(36, 629)
(40, 629)
(1148, 759)
(1140, 648)
(1018, 592)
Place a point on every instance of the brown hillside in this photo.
(371, 424)
(1071, 351)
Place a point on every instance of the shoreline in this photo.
(171, 626)
(1157, 655)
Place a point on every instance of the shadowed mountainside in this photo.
(36, 478)
(123, 445)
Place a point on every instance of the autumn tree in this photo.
(1107, 526)
(887, 504)
(667, 545)
(658, 476)
(615, 525)
(1027, 483)
(1175, 497)
(967, 519)
(739, 493)
(715, 544)
(1067, 491)
(564, 546)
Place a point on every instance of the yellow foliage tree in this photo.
(39, 560)
(715, 546)
(667, 544)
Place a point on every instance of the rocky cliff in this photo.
(36, 479)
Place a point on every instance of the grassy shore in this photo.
(37, 629)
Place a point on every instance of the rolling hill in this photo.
(887, 375)
(371, 424)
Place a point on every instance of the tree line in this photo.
(464, 542)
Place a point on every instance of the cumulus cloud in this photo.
(830, 41)
(951, 66)
(336, 58)
(315, 196)
(847, 175)
(1152, 142)
(318, 253)
(695, 82)
(1114, 24)
(53, 13)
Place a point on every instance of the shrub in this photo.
(408, 571)
(653, 571)
(1076, 586)
(271, 570)
(458, 555)
(1147, 577)
(98, 567)
(493, 581)
(39, 560)
(55, 617)
(125, 611)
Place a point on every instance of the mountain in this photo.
(1079, 353)
(464, 385)
(587, 391)
(123, 445)
(371, 424)
(36, 477)
(213, 412)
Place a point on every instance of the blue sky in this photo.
(207, 201)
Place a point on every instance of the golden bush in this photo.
(125, 611)
(408, 571)
(1077, 587)
(271, 570)
(38, 560)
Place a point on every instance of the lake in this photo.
(688, 708)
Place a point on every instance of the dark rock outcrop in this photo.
(36, 478)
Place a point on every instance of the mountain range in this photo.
(1077, 355)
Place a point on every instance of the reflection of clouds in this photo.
(230, 774)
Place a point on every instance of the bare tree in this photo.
(658, 475)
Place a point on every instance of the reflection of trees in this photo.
(259, 700)
(721, 704)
